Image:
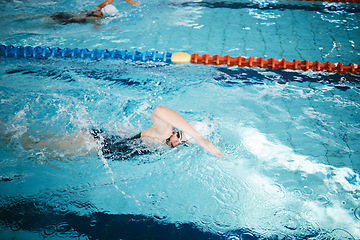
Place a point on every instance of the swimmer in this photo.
(104, 9)
(162, 132)
(168, 129)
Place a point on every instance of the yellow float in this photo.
(180, 57)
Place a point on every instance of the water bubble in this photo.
(93, 222)
(50, 230)
(341, 234)
(323, 200)
(307, 190)
(232, 237)
(357, 213)
(178, 225)
(297, 192)
(63, 209)
(206, 219)
(15, 227)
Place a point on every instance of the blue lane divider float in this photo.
(47, 52)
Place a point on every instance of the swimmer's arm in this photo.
(163, 118)
(102, 5)
(107, 2)
(132, 3)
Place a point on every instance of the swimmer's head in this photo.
(202, 128)
(109, 11)
(179, 137)
(175, 139)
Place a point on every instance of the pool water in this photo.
(290, 139)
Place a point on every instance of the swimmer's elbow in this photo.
(160, 110)
(162, 116)
(158, 115)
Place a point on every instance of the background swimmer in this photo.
(104, 9)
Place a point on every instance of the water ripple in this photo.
(341, 234)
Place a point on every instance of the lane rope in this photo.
(176, 58)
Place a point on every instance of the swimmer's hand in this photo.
(132, 3)
(209, 146)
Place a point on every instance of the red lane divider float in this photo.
(271, 63)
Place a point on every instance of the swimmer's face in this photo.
(173, 140)
(176, 139)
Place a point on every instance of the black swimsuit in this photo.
(118, 148)
(69, 17)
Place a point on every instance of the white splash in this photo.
(258, 144)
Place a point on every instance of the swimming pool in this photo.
(291, 169)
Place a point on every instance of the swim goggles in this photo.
(179, 135)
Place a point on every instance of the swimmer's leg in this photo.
(52, 146)
(27, 17)
(5, 135)
(77, 144)
(2, 131)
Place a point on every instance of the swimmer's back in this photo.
(119, 148)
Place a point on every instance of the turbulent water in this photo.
(290, 139)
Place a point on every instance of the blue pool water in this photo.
(290, 139)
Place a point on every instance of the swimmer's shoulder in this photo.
(151, 133)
